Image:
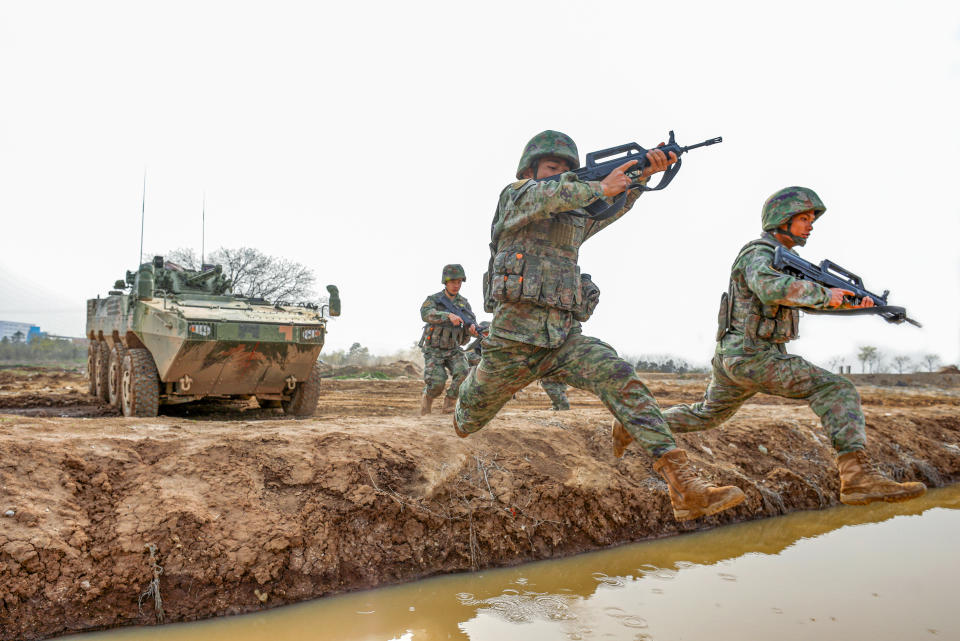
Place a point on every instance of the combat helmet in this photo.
(549, 143)
(787, 203)
(453, 272)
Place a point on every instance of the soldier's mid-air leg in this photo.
(457, 364)
(836, 401)
(557, 391)
(504, 369)
(434, 378)
(590, 364)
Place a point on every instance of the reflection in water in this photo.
(875, 572)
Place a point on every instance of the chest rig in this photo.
(443, 335)
(741, 310)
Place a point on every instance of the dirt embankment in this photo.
(258, 511)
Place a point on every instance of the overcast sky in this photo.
(370, 141)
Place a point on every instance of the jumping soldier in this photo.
(537, 295)
(443, 335)
(758, 315)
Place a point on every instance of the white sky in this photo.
(370, 141)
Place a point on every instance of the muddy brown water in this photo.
(876, 572)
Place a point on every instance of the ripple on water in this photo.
(521, 608)
(605, 579)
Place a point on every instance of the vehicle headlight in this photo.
(311, 334)
(200, 329)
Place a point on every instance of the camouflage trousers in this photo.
(436, 364)
(557, 391)
(581, 361)
(736, 378)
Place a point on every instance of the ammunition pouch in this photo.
(589, 298)
(442, 336)
(774, 324)
(725, 315)
(542, 279)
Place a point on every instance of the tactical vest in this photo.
(741, 309)
(443, 335)
(537, 264)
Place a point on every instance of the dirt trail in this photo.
(250, 510)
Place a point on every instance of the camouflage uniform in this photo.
(535, 292)
(751, 357)
(440, 344)
(557, 391)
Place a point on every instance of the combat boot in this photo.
(690, 495)
(621, 439)
(862, 483)
(426, 404)
(449, 404)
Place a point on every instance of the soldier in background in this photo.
(443, 335)
(539, 298)
(759, 314)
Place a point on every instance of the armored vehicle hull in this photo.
(153, 347)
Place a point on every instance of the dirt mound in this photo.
(397, 369)
(258, 511)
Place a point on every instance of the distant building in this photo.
(19, 332)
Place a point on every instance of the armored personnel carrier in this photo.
(169, 335)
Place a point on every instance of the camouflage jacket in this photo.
(439, 332)
(763, 300)
(537, 246)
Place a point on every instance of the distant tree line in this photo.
(873, 360)
(666, 364)
(253, 273)
(41, 350)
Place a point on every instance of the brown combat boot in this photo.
(690, 495)
(621, 439)
(449, 404)
(456, 428)
(861, 483)
(426, 404)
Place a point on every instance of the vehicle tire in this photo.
(103, 370)
(303, 401)
(139, 384)
(114, 367)
(92, 367)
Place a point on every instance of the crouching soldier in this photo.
(443, 335)
(539, 298)
(759, 314)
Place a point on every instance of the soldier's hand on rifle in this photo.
(473, 330)
(837, 295)
(453, 318)
(657, 162)
(617, 181)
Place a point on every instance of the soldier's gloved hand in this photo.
(657, 162)
(617, 181)
(453, 318)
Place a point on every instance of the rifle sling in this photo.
(891, 313)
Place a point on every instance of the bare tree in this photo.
(836, 363)
(255, 274)
(931, 360)
(865, 355)
(901, 363)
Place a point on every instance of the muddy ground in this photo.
(249, 510)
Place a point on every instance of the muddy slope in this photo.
(260, 511)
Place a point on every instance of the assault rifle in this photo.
(830, 275)
(596, 168)
(465, 315)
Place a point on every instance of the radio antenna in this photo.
(203, 229)
(143, 209)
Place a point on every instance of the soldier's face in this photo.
(802, 224)
(548, 166)
(453, 286)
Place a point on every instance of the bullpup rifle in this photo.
(469, 320)
(600, 164)
(830, 275)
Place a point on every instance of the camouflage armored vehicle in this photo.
(180, 335)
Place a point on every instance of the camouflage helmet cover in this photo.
(453, 272)
(549, 143)
(787, 203)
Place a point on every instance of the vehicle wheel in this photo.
(114, 366)
(103, 371)
(92, 366)
(139, 384)
(303, 401)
